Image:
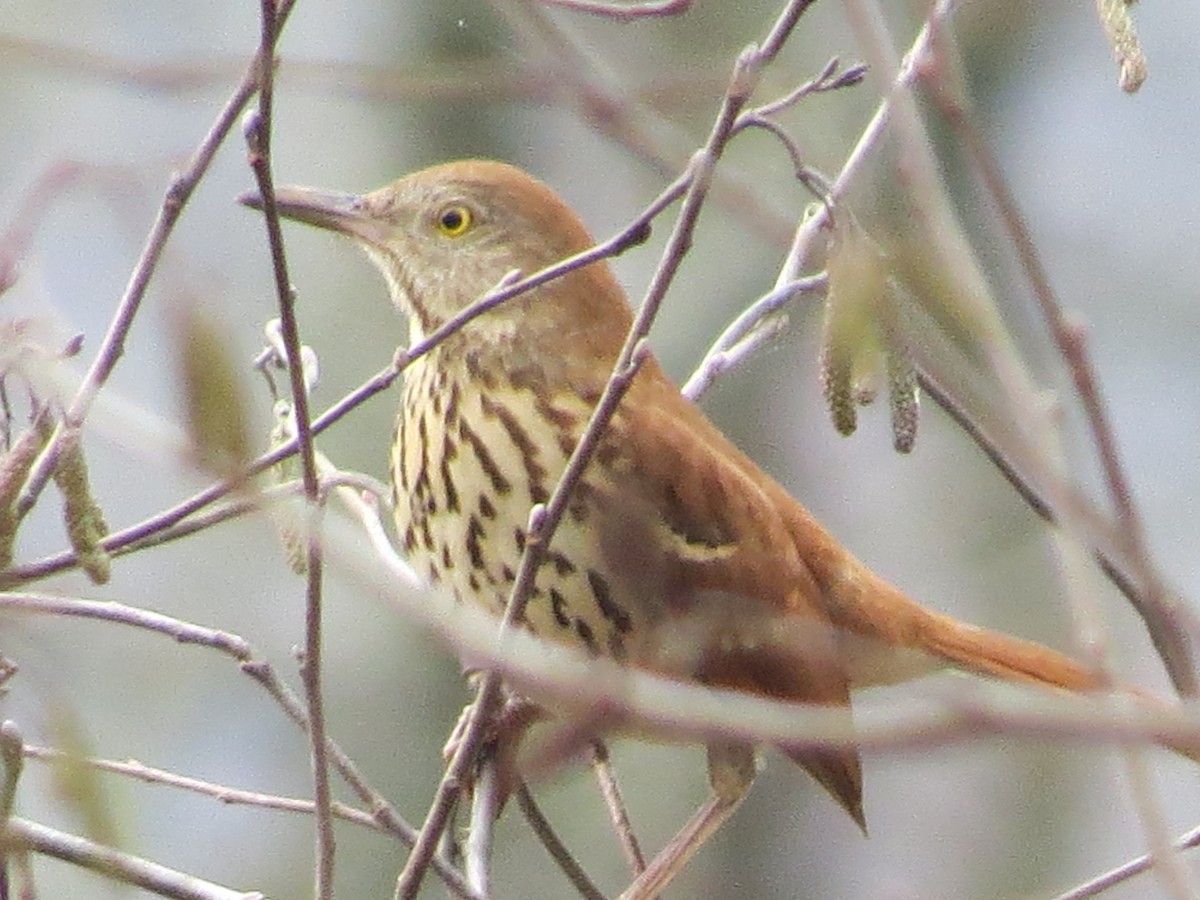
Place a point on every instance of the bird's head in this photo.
(446, 235)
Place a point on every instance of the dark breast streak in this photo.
(467, 469)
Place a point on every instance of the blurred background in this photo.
(111, 97)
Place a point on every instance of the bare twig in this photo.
(113, 345)
(624, 12)
(561, 676)
(486, 803)
(258, 134)
(12, 760)
(1174, 873)
(1101, 883)
(262, 672)
(143, 533)
(1163, 616)
(125, 868)
(224, 793)
(828, 79)
(610, 108)
(557, 849)
(745, 334)
(618, 813)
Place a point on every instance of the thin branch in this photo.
(153, 533)
(21, 834)
(224, 793)
(554, 846)
(618, 813)
(1174, 873)
(745, 334)
(814, 221)
(1161, 615)
(623, 12)
(608, 106)
(937, 225)
(13, 761)
(260, 671)
(258, 135)
(113, 345)
(486, 804)
(829, 79)
(555, 675)
(774, 41)
(142, 533)
(1101, 883)
(866, 144)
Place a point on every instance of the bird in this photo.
(677, 553)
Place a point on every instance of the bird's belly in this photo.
(478, 557)
(466, 474)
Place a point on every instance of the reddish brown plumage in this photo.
(672, 531)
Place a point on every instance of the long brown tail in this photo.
(885, 618)
(998, 655)
(992, 653)
(890, 629)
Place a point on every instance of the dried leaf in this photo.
(859, 343)
(851, 351)
(836, 384)
(1118, 24)
(216, 408)
(77, 783)
(14, 467)
(903, 398)
(295, 547)
(86, 527)
(11, 752)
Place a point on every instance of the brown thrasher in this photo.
(677, 554)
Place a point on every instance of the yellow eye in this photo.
(455, 220)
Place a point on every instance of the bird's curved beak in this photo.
(348, 214)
